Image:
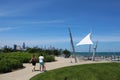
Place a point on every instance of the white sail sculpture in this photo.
(86, 40)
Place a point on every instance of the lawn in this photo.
(98, 71)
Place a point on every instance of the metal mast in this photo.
(71, 40)
(94, 52)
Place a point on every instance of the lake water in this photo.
(98, 54)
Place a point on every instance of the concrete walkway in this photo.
(26, 73)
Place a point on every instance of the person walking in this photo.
(41, 61)
(33, 61)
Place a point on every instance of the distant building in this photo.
(14, 47)
(17, 47)
(23, 46)
(51, 48)
(5, 46)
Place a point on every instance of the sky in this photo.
(45, 23)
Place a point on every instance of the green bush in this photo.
(14, 60)
(15, 64)
(7, 65)
(2, 56)
(49, 58)
(22, 57)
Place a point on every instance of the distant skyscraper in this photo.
(23, 45)
(15, 47)
(5, 46)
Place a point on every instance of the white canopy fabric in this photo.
(86, 40)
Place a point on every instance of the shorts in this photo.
(34, 63)
(41, 63)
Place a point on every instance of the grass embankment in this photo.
(99, 71)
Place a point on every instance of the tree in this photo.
(56, 52)
(7, 49)
(66, 53)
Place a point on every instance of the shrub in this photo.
(22, 57)
(49, 58)
(7, 65)
(2, 56)
(14, 60)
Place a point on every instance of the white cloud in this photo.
(61, 40)
(6, 29)
(3, 13)
(18, 8)
(46, 22)
(108, 38)
(34, 42)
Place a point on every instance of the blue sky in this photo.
(45, 23)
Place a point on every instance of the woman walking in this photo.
(33, 61)
(41, 61)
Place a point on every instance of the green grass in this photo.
(99, 71)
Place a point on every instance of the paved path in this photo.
(26, 73)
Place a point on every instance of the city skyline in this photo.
(45, 23)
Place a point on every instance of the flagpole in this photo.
(71, 40)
